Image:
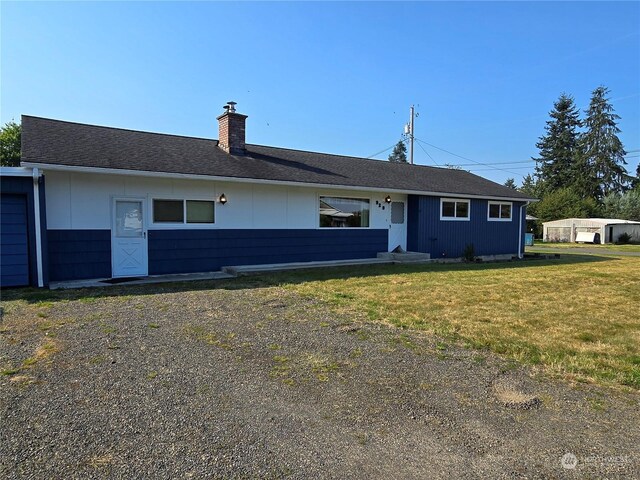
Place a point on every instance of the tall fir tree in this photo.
(600, 166)
(558, 146)
(529, 185)
(399, 153)
(635, 183)
(511, 183)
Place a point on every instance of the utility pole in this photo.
(411, 117)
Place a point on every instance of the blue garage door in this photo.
(14, 253)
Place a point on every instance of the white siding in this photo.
(83, 201)
(632, 230)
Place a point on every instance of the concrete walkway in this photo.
(103, 282)
(227, 272)
(586, 250)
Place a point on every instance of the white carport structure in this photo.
(609, 229)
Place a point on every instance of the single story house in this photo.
(124, 203)
(608, 230)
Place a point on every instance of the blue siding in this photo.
(78, 254)
(14, 254)
(427, 233)
(21, 187)
(81, 254)
(185, 251)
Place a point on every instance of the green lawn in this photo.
(577, 317)
(606, 246)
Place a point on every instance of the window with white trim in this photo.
(181, 212)
(455, 209)
(499, 211)
(338, 212)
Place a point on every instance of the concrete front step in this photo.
(277, 267)
(405, 257)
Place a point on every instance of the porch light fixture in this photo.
(222, 199)
(387, 199)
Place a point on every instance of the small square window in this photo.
(454, 209)
(499, 211)
(494, 210)
(462, 209)
(449, 209)
(168, 211)
(200, 211)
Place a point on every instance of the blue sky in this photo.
(331, 77)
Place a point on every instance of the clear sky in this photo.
(330, 77)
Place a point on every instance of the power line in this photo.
(433, 159)
(466, 158)
(490, 169)
(386, 149)
(494, 163)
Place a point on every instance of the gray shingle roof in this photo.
(54, 142)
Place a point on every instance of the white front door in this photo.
(398, 226)
(128, 238)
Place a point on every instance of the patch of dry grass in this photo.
(600, 246)
(576, 317)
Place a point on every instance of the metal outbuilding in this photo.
(608, 229)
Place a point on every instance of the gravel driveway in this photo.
(231, 380)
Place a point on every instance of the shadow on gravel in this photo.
(32, 295)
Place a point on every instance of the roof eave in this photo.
(146, 173)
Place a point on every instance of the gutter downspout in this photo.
(36, 208)
(520, 253)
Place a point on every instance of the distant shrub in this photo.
(469, 253)
(623, 238)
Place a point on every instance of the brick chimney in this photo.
(231, 133)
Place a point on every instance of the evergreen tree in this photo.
(10, 145)
(529, 185)
(559, 145)
(625, 206)
(600, 167)
(566, 203)
(399, 153)
(511, 183)
(635, 183)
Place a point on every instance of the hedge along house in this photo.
(122, 203)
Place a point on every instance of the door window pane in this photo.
(200, 211)
(128, 218)
(397, 212)
(168, 211)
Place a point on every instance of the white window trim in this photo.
(489, 219)
(340, 195)
(182, 225)
(455, 219)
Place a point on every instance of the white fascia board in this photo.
(186, 176)
(16, 172)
